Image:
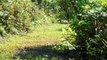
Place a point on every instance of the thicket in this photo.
(87, 31)
(19, 16)
(90, 25)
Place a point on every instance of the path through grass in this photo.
(33, 46)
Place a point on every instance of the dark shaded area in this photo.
(40, 53)
(39, 2)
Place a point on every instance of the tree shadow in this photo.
(40, 53)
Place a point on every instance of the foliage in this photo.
(40, 18)
(51, 5)
(91, 30)
(63, 47)
(68, 41)
(69, 35)
(17, 17)
(88, 20)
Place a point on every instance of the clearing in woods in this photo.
(33, 46)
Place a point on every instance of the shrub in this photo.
(16, 16)
(19, 16)
(91, 30)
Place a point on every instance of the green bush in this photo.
(17, 17)
(91, 30)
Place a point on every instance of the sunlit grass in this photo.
(42, 35)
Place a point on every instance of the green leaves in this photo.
(15, 16)
(65, 45)
(90, 27)
(2, 31)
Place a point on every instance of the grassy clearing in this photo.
(41, 36)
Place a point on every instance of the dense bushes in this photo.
(91, 29)
(88, 21)
(17, 17)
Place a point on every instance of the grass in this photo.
(41, 36)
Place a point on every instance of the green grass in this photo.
(42, 35)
